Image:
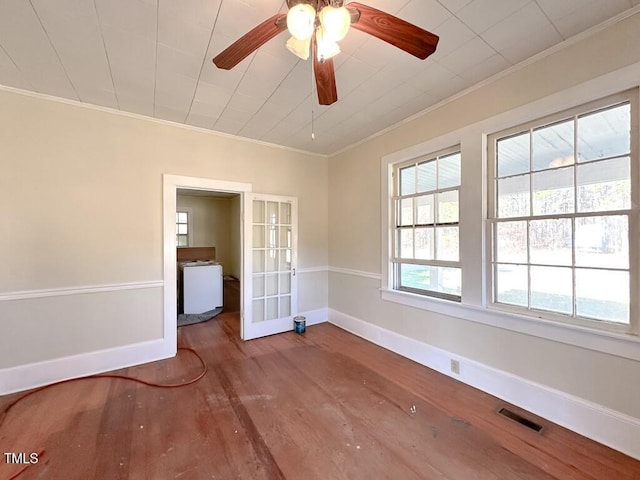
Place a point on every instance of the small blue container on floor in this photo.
(299, 324)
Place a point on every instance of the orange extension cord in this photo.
(5, 412)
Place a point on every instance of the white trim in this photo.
(60, 292)
(113, 111)
(312, 269)
(32, 375)
(619, 344)
(614, 429)
(272, 327)
(357, 273)
(170, 186)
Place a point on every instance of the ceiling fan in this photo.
(317, 25)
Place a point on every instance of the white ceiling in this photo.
(153, 57)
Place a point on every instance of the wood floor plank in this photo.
(324, 405)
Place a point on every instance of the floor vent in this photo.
(520, 419)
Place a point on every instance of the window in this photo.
(182, 229)
(426, 236)
(561, 214)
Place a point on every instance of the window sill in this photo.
(618, 344)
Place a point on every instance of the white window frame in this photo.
(472, 139)
(189, 212)
(397, 260)
(632, 212)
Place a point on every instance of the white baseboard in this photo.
(25, 377)
(614, 429)
(272, 327)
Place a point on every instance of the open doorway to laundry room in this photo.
(208, 254)
(211, 232)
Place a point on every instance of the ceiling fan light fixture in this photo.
(336, 22)
(300, 48)
(301, 20)
(327, 48)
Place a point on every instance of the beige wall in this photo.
(81, 202)
(216, 223)
(355, 230)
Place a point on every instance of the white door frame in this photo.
(171, 184)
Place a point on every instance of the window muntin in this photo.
(182, 229)
(426, 257)
(560, 216)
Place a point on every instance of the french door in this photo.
(270, 253)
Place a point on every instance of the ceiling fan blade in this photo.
(325, 79)
(250, 42)
(404, 35)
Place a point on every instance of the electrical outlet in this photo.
(455, 366)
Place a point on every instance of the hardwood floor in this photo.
(326, 405)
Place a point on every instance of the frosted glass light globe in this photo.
(301, 20)
(336, 22)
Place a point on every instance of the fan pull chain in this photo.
(313, 133)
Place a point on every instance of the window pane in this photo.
(553, 192)
(258, 286)
(258, 311)
(602, 294)
(272, 212)
(436, 279)
(408, 180)
(552, 289)
(553, 146)
(511, 242)
(602, 241)
(406, 242)
(258, 211)
(272, 260)
(605, 133)
(285, 283)
(513, 197)
(272, 285)
(424, 206)
(513, 155)
(258, 236)
(512, 284)
(424, 243)
(448, 207)
(272, 237)
(285, 213)
(550, 242)
(427, 176)
(285, 306)
(181, 217)
(182, 241)
(272, 308)
(449, 171)
(406, 211)
(182, 229)
(604, 185)
(447, 243)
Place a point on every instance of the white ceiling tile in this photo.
(485, 69)
(169, 113)
(104, 98)
(141, 102)
(351, 74)
(206, 110)
(190, 38)
(175, 61)
(197, 12)
(132, 16)
(470, 54)
(256, 87)
(242, 103)
(453, 34)
(434, 76)
(202, 121)
(518, 51)
(426, 14)
(212, 94)
(26, 43)
(587, 16)
(523, 26)
(454, 5)
(480, 15)
(225, 125)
